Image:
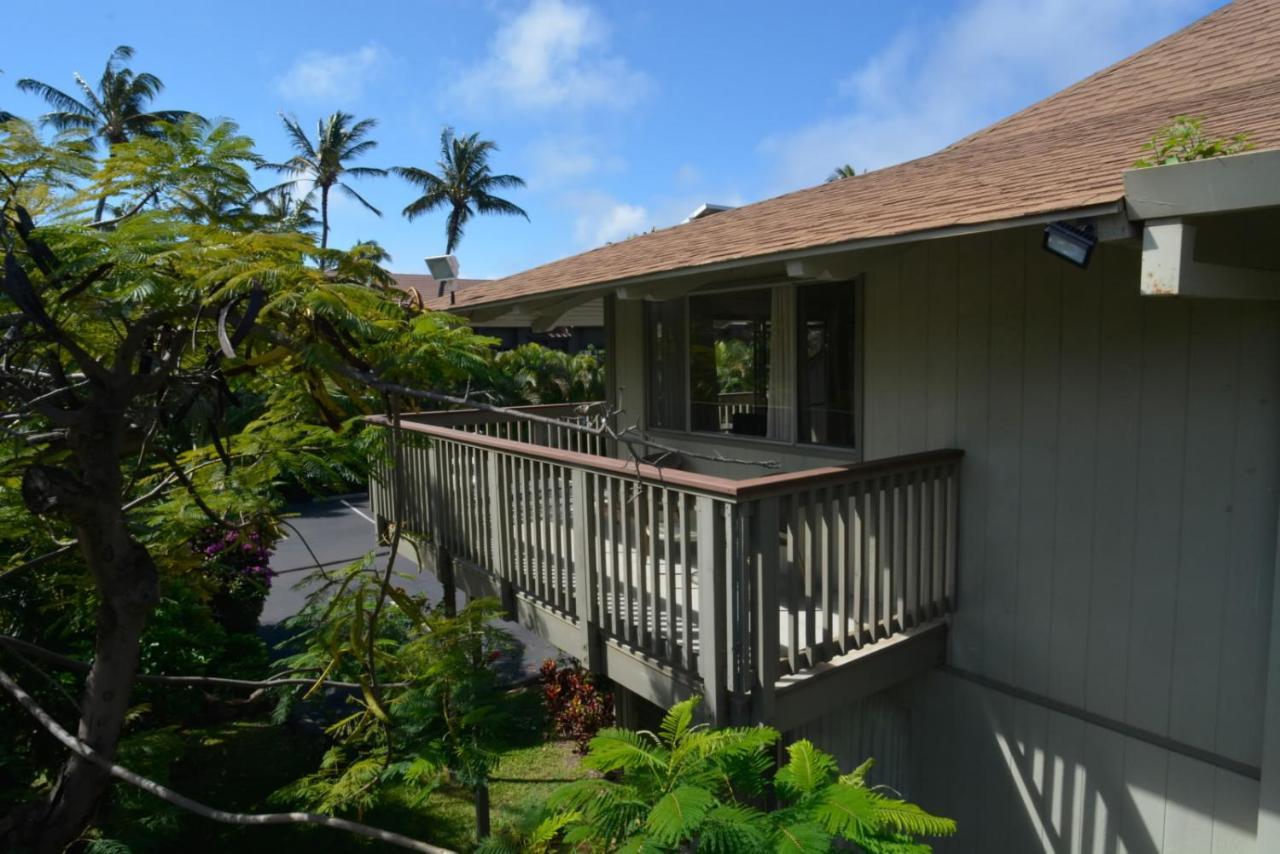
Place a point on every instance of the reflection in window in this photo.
(729, 338)
(666, 364)
(827, 366)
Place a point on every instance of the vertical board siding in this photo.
(1116, 535)
(1018, 777)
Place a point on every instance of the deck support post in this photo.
(764, 618)
(444, 569)
(711, 611)
(584, 578)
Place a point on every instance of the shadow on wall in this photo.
(1018, 777)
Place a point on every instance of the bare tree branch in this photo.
(179, 800)
(73, 665)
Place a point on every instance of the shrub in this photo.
(577, 707)
(1184, 139)
(237, 561)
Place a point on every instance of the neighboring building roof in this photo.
(1067, 152)
(429, 288)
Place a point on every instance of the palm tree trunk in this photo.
(324, 217)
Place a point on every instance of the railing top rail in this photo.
(723, 487)
(446, 417)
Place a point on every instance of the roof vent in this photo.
(706, 209)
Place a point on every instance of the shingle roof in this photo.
(1064, 153)
(428, 286)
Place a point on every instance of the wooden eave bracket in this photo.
(1169, 268)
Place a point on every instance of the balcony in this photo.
(775, 597)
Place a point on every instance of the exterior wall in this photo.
(1118, 542)
(1118, 536)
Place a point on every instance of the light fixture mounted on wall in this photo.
(1070, 241)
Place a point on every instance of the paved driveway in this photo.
(338, 531)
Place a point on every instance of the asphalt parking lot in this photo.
(333, 532)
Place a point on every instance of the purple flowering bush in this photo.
(237, 562)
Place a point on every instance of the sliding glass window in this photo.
(729, 346)
(667, 375)
(827, 363)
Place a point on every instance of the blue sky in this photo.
(621, 116)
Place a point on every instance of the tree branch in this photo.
(63, 662)
(179, 800)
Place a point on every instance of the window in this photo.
(729, 345)
(665, 321)
(778, 362)
(826, 357)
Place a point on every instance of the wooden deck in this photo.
(810, 583)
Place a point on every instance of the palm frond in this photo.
(54, 97)
(350, 193)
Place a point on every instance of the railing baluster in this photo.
(669, 542)
(911, 543)
(794, 602)
(686, 576)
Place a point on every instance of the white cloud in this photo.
(333, 77)
(562, 159)
(553, 54)
(601, 218)
(933, 84)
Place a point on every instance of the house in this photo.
(1018, 536)
(570, 331)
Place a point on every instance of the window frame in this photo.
(845, 452)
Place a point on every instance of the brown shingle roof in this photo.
(1065, 152)
(428, 287)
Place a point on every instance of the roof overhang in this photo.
(1190, 212)
(1109, 219)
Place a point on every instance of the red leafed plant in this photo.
(577, 707)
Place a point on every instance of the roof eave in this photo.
(1110, 209)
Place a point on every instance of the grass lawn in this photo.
(236, 766)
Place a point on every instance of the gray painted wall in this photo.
(1118, 538)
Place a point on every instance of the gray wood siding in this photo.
(1117, 539)
(1119, 507)
(1022, 778)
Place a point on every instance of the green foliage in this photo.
(430, 709)
(1184, 139)
(689, 787)
(464, 184)
(340, 138)
(577, 705)
(735, 365)
(533, 374)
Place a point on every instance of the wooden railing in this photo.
(733, 583)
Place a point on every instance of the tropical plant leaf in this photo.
(909, 818)
(619, 749)
(677, 721)
(806, 837)
(847, 810)
(807, 771)
(677, 815)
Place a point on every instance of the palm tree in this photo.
(285, 211)
(841, 172)
(464, 180)
(115, 111)
(339, 138)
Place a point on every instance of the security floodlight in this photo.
(1073, 243)
(443, 267)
